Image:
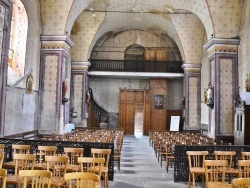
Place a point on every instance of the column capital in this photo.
(62, 42)
(191, 68)
(80, 66)
(220, 45)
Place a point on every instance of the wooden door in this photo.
(128, 100)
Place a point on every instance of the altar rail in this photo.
(181, 167)
(60, 147)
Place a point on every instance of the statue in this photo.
(210, 94)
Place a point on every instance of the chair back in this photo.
(46, 151)
(21, 149)
(244, 168)
(241, 183)
(73, 154)
(215, 169)
(82, 180)
(225, 155)
(91, 165)
(24, 162)
(2, 146)
(57, 165)
(245, 155)
(3, 176)
(1, 159)
(196, 158)
(36, 178)
(101, 153)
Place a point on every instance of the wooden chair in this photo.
(16, 148)
(103, 153)
(92, 165)
(169, 155)
(196, 165)
(241, 183)
(117, 153)
(229, 156)
(35, 178)
(3, 176)
(1, 159)
(58, 166)
(42, 152)
(22, 162)
(82, 180)
(215, 171)
(2, 146)
(245, 155)
(73, 154)
(244, 168)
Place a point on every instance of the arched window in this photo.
(134, 52)
(18, 38)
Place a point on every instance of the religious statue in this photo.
(29, 84)
(210, 94)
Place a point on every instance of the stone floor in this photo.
(140, 168)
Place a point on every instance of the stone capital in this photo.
(62, 42)
(191, 68)
(80, 66)
(219, 45)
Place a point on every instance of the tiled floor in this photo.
(140, 169)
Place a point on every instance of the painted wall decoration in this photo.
(17, 49)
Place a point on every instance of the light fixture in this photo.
(93, 14)
(91, 9)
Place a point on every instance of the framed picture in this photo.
(158, 101)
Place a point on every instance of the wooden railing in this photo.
(136, 66)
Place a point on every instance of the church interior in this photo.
(134, 65)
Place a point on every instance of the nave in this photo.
(140, 168)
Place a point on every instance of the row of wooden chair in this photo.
(221, 166)
(70, 161)
(42, 179)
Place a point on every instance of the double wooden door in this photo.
(129, 100)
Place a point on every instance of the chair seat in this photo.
(40, 166)
(73, 168)
(218, 185)
(10, 164)
(14, 180)
(57, 181)
(197, 170)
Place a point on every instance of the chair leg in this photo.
(189, 179)
(167, 165)
(193, 180)
(106, 181)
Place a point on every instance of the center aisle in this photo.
(140, 168)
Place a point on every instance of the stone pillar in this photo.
(79, 87)
(223, 75)
(54, 84)
(192, 94)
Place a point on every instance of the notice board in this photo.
(174, 123)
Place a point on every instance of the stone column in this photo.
(54, 84)
(223, 75)
(79, 87)
(192, 94)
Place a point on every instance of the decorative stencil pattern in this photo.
(193, 102)
(88, 28)
(226, 98)
(78, 95)
(54, 16)
(50, 81)
(226, 17)
(174, 94)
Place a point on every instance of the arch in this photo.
(134, 52)
(18, 40)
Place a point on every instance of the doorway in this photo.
(138, 122)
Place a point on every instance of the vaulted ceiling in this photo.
(189, 23)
